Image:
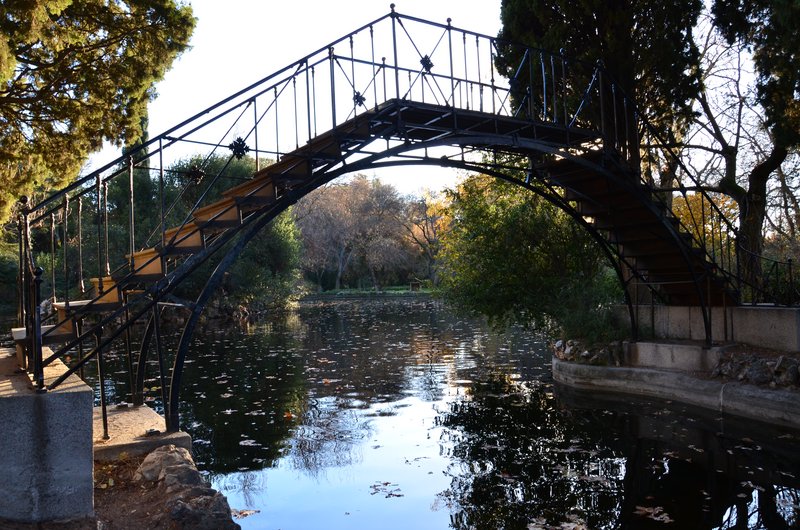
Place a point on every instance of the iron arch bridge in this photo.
(397, 91)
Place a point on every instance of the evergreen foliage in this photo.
(75, 73)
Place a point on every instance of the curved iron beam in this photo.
(171, 411)
(214, 281)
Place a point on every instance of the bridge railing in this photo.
(711, 218)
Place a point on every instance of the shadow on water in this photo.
(395, 414)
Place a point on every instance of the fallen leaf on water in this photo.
(241, 514)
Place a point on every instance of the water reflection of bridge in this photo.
(397, 91)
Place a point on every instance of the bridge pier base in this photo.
(46, 455)
(772, 327)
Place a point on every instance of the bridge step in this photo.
(187, 239)
(51, 334)
(253, 194)
(148, 265)
(219, 215)
(109, 295)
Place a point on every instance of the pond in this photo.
(399, 414)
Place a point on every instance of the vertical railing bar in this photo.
(333, 87)
(314, 96)
(374, 73)
(308, 101)
(544, 87)
(491, 71)
(53, 256)
(564, 86)
(531, 108)
(480, 79)
(161, 196)
(81, 284)
(23, 263)
(614, 103)
(131, 236)
(385, 90)
(353, 77)
(101, 377)
(64, 239)
(452, 71)
(36, 338)
(394, 45)
(160, 352)
(277, 138)
(105, 227)
(466, 74)
(129, 348)
(555, 95)
(296, 124)
(255, 133)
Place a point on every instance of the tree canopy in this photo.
(646, 46)
(75, 73)
(514, 257)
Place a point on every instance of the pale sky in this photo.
(237, 42)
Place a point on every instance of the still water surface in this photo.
(398, 414)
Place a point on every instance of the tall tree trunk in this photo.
(752, 211)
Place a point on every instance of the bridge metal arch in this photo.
(376, 161)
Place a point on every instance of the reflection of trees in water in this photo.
(521, 463)
(519, 460)
(329, 435)
(245, 485)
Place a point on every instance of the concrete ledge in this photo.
(686, 357)
(133, 431)
(46, 459)
(774, 406)
(772, 327)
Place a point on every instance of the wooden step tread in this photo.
(48, 336)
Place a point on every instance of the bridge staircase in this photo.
(563, 142)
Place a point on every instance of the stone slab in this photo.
(772, 327)
(46, 438)
(775, 406)
(133, 431)
(683, 356)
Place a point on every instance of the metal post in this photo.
(296, 124)
(99, 222)
(394, 45)
(80, 246)
(65, 235)
(374, 73)
(480, 82)
(544, 87)
(161, 370)
(24, 292)
(308, 108)
(491, 71)
(102, 380)
(255, 127)
(105, 226)
(161, 198)
(602, 104)
(452, 71)
(129, 347)
(36, 332)
(53, 256)
(131, 235)
(333, 88)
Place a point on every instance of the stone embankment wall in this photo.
(189, 503)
